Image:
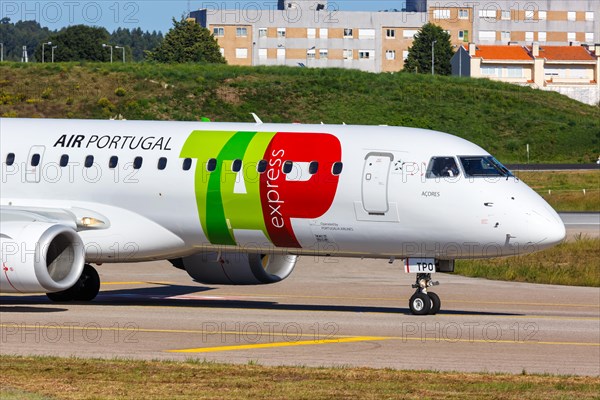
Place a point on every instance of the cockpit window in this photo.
(485, 166)
(440, 167)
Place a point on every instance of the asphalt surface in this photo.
(581, 224)
(348, 312)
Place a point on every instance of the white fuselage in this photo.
(383, 203)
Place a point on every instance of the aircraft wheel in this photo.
(85, 289)
(436, 303)
(419, 304)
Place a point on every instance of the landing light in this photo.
(90, 222)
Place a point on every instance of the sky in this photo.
(147, 14)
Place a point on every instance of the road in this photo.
(329, 312)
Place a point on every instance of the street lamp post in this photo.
(122, 49)
(104, 45)
(43, 54)
(53, 47)
(433, 57)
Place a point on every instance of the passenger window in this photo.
(287, 167)
(313, 167)
(89, 161)
(112, 163)
(162, 163)
(187, 164)
(64, 160)
(337, 168)
(35, 160)
(440, 167)
(137, 162)
(10, 159)
(236, 166)
(261, 167)
(211, 165)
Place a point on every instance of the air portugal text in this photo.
(261, 195)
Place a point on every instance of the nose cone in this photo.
(548, 225)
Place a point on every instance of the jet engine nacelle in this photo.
(237, 268)
(39, 257)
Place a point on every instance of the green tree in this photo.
(187, 42)
(78, 43)
(420, 53)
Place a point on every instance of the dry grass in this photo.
(571, 263)
(69, 378)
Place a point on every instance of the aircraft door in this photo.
(375, 182)
(33, 168)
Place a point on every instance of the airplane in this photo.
(238, 203)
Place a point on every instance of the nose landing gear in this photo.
(424, 302)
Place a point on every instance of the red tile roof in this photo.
(565, 53)
(491, 52)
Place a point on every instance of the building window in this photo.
(487, 36)
(441, 14)
(262, 32)
(222, 51)
(409, 33)
(463, 14)
(281, 54)
(280, 32)
(311, 54)
(571, 36)
(365, 54)
(488, 14)
(262, 54)
(366, 34)
(390, 54)
(542, 15)
(241, 32)
(404, 54)
(463, 35)
(589, 15)
(241, 53)
(529, 15)
(589, 37)
(390, 33)
(323, 33)
(505, 15)
(348, 54)
(219, 31)
(571, 16)
(541, 36)
(490, 71)
(311, 33)
(529, 36)
(514, 72)
(323, 54)
(505, 36)
(347, 33)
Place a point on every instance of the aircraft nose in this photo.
(549, 226)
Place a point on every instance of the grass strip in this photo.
(73, 378)
(575, 263)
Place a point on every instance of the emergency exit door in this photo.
(375, 182)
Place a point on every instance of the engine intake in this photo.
(39, 257)
(237, 268)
